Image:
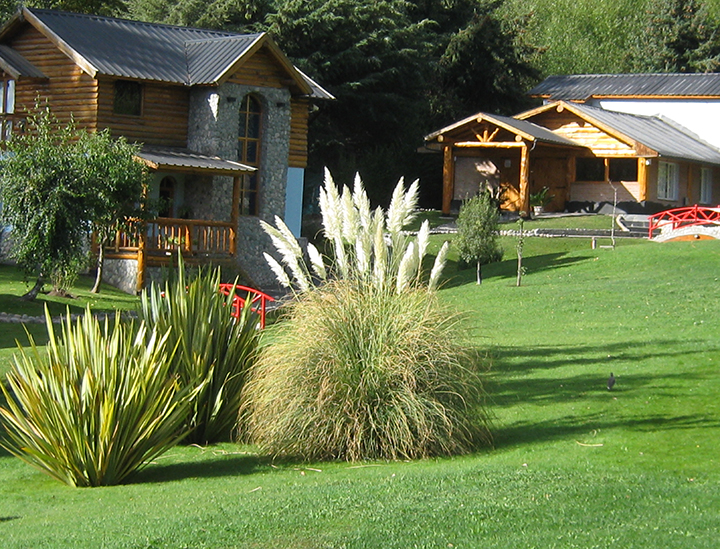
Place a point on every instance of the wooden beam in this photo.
(525, 179)
(448, 178)
(235, 214)
(141, 255)
(642, 179)
(499, 144)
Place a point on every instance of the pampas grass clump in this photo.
(360, 372)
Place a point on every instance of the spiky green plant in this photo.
(101, 402)
(367, 246)
(212, 347)
(360, 372)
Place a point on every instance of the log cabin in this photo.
(222, 119)
(644, 139)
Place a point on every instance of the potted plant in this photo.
(540, 199)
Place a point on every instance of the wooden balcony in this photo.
(156, 243)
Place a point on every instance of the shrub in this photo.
(360, 373)
(477, 238)
(212, 347)
(99, 405)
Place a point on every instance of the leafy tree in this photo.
(57, 184)
(375, 60)
(42, 200)
(486, 65)
(230, 15)
(477, 238)
(680, 36)
(114, 184)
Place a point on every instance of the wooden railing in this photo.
(164, 236)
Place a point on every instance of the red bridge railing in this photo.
(684, 217)
(258, 300)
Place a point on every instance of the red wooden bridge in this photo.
(684, 217)
(258, 300)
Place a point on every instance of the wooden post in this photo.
(235, 214)
(689, 199)
(141, 260)
(524, 179)
(448, 178)
(642, 179)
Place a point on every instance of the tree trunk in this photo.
(100, 264)
(479, 273)
(32, 294)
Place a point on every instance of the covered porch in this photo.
(506, 155)
(198, 197)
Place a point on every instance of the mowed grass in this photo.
(573, 465)
(13, 285)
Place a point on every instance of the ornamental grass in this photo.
(356, 372)
(98, 405)
(214, 349)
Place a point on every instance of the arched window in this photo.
(249, 136)
(167, 197)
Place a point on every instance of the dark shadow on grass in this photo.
(579, 426)
(8, 519)
(457, 275)
(513, 359)
(215, 467)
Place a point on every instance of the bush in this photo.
(477, 238)
(212, 347)
(358, 372)
(99, 405)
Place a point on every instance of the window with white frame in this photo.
(668, 181)
(706, 184)
(7, 108)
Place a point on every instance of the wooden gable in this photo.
(603, 142)
(70, 92)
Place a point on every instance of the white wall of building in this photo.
(700, 116)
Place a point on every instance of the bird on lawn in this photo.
(611, 381)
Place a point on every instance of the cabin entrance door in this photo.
(550, 172)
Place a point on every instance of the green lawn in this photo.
(12, 286)
(573, 465)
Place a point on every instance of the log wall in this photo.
(300, 112)
(70, 91)
(164, 119)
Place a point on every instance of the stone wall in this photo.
(121, 273)
(213, 129)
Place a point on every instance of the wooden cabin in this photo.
(593, 153)
(222, 119)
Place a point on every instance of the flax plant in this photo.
(98, 405)
(213, 348)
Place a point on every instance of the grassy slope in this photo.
(573, 465)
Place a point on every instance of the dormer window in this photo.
(128, 98)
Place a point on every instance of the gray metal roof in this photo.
(183, 159)
(668, 138)
(16, 65)
(149, 51)
(208, 59)
(536, 132)
(579, 87)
